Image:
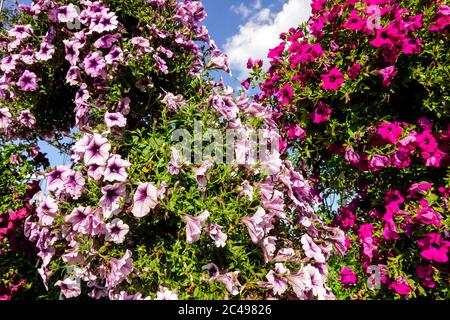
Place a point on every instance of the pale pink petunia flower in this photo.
(69, 287)
(166, 294)
(116, 231)
(215, 232)
(66, 13)
(200, 173)
(145, 198)
(97, 151)
(115, 119)
(194, 226)
(110, 201)
(311, 249)
(116, 169)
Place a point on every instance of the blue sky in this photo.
(242, 29)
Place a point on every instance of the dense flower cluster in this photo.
(360, 94)
(130, 218)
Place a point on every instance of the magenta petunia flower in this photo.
(353, 71)
(354, 22)
(401, 286)
(28, 81)
(321, 113)
(194, 226)
(145, 198)
(412, 46)
(332, 80)
(377, 162)
(426, 141)
(215, 232)
(390, 132)
(433, 247)
(311, 249)
(97, 151)
(69, 287)
(425, 273)
(387, 75)
(95, 65)
(109, 202)
(347, 277)
(433, 159)
(116, 231)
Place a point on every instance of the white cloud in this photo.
(243, 10)
(261, 33)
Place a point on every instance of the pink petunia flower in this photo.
(166, 294)
(425, 273)
(95, 65)
(109, 202)
(194, 226)
(173, 102)
(69, 287)
(27, 119)
(145, 198)
(66, 13)
(115, 119)
(97, 151)
(354, 22)
(311, 249)
(28, 81)
(116, 231)
(321, 113)
(215, 232)
(200, 174)
(401, 286)
(277, 280)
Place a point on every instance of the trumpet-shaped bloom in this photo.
(116, 169)
(194, 226)
(215, 232)
(28, 81)
(97, 151)
(69, 287)
(145, 198)
(116, 231)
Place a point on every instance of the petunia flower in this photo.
(97, 151)
(354, 22)
(173, 102)
(166, 294)
(425, 273)
(95, 65)
(69, 287)
(277, 280)
(387, 75)
(54, 179)
(390, 132)
(73, 183)
(433, 247)
(194, 226)
(27, 119)
(332, 80)
(114, 55)
(115, 119)
(28, 81)
(200, 173)
(401, 286)
(5, 118)
(47, 210)
(8, 63)
(106, 41)
(66, 13)
(258, 225)
(120, 269)
(321, 113)
(347, 277)
(145, 198)
(230, 281)
(116, 231)
(176, 163)
(311, 249)
(109, 202)
(426, 141)
(215, 232)
(20, 31)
